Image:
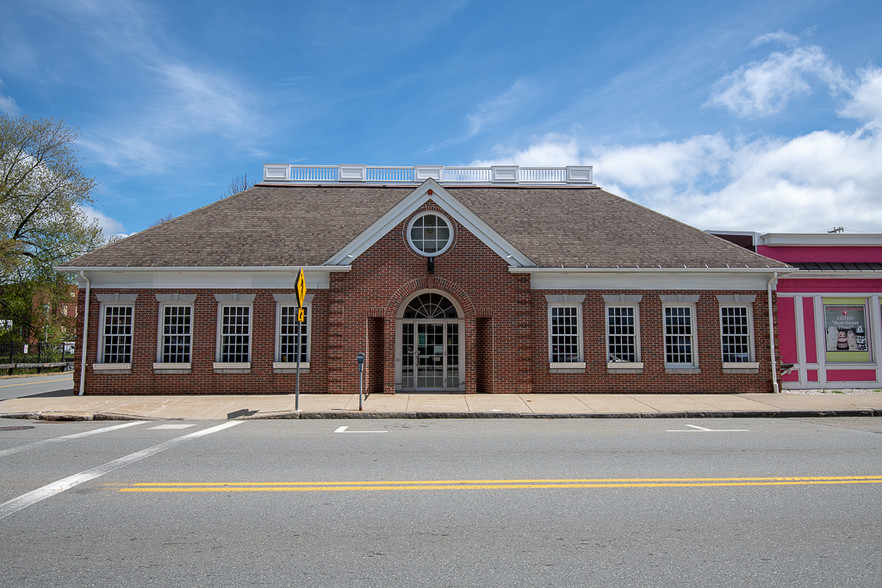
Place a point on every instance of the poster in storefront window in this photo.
(846, 333)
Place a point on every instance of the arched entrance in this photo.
(429, 352)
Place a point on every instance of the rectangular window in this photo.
(116, 334)
(621, 334)
(846, 330)
(679, 336)
(288, 344)
(565, 334)
(235, 334)
(176, 334)
(735, 330)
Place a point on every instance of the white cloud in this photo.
(776, 37)
(8, 105)
(807, 183)
(131, 153)
(763, 88)
(108, 225)
(866, 100)
(182, 99)
(203, 101)
(669, 162)
(551, 150)
(500, 107)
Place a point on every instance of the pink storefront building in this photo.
(828, 312)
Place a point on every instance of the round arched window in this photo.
(430, 234)
(430, 306)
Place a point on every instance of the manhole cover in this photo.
(16, 428)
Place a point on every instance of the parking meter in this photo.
(360, 359)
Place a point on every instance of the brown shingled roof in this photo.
(305, 225)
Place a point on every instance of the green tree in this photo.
(42, 219)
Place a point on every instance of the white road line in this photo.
(171, 427)
(344, 427)
(25, 500)
(697, 429)
(36, 444)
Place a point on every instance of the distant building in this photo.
(493, 280)
(829, 310)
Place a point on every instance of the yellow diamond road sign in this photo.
(301, 288)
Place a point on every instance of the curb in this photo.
(868, 412)
(325, 415)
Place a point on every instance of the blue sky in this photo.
(757, 115)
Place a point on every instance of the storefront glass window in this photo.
(846, 333)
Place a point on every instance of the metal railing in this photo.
(15, 355)
(391, 174)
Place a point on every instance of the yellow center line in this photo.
(492, 484)
(40, 382)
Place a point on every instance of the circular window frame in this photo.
(423, 215)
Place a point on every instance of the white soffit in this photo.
(214, 278)
(450, 206)
(648, 280)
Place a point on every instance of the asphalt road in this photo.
(51, 384)
(442, 503)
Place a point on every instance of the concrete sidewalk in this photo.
(337, 406)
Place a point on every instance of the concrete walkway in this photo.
(327, 406)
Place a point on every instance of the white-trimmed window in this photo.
(565, 331)
(234, 331)
(116, 333)
(679, 328)
(117, 322)
(430, 234)
(736, 332)
(176, 333)
(174, 342)
(622, 329)
(288, 345)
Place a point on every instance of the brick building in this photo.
(468, 280)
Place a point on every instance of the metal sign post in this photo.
(301, 315)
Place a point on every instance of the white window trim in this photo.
(160, 335)
(750, 366)
(681, 367)
(623, 302)
(232, 300)
(566, 301)
(284, 366)
(100, 365)
(421, 215)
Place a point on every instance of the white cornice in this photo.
(838, 274)
(651, 270)
(182, 268)
(650, 278)
(260, 278)
(820, 240)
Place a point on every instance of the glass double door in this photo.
(430, 355)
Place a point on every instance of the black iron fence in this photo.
(17, 357)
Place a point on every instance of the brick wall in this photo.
(505, 332)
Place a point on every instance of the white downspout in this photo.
(85, 333)
(772, 334)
